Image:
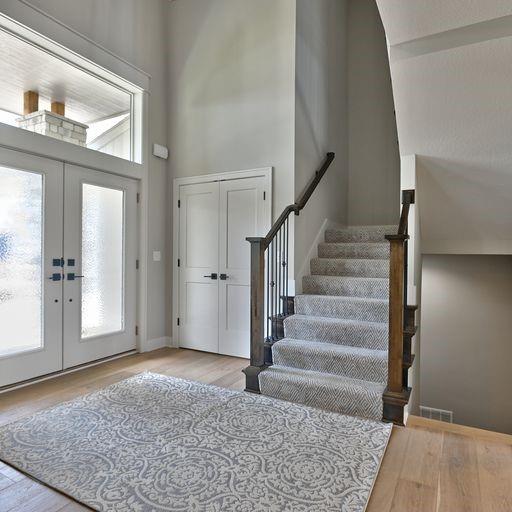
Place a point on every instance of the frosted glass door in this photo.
(102, 260)
(30, 266)
(100, 256)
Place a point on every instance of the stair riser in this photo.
(361, 251)
(367, 234)
(373, 369)
(349, 401)
(350, 267)
(341, 307)
(350, 334)
(322, 285)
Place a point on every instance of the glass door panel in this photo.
(30, 266)
(102, 260)
(21, 257)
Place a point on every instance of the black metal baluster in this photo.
(276, 297)
(279, 304)
(272, 285)
(267, 284)
(286, 268)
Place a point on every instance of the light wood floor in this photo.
(428, 466)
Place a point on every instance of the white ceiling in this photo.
(406, 20)
(25, 67)
(454, 111)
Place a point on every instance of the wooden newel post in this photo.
(396, 312)
(257, 315)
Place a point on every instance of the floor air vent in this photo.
(436, 414)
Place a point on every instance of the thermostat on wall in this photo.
(160, 151)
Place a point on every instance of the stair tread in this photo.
(336, 393)
(329, 319)
(348, 278)
(367, 234)
(343, 298)
(327, 378)
(349, 286)
(331, 348)
(338, 331)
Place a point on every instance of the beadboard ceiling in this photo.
(25, 67)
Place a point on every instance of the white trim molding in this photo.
(157, 343)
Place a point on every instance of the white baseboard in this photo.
(313, 252)
(156, 343)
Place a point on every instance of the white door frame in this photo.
(265, 172)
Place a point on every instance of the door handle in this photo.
(55, 277)
(212, 276)
(72, 276)
(223, 277)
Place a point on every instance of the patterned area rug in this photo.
(154, 443)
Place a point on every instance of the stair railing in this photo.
(269, 282)
(401, 318)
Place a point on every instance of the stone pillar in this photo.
(55, 126)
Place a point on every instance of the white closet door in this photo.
(100, 254)
(244, 212)
(199, 262)
(30, 266)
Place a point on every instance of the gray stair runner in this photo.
(334, 354)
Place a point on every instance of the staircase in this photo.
(334, 354)
(344, 345)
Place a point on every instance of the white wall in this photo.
(373, 155)
(466, 346)
(231, 88)
(320, 116)
(135, 30)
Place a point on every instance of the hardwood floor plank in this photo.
(495, 475)
(459, 481)
(384, 490)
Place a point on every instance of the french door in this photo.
(214, 290)
(100, 248)
(31, 242)
(67, 266)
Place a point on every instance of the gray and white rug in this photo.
(154, 443)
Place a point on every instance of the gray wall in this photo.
(135, 30)
(373, 155)
(466, 338)
(231, 88)
(320, 115)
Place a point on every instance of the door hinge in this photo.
(179, 263)
(179, 203)
(136, 264)
(138, 197)
(136, 330)
(178, 322)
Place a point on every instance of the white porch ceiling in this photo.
(25, 67)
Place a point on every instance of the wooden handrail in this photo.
(396, 393)
(301, 201)
(267, 296)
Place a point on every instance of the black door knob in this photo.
(212, 276)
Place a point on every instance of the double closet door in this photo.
(214, 262)
(67, 266)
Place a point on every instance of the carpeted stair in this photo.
(334, 354)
